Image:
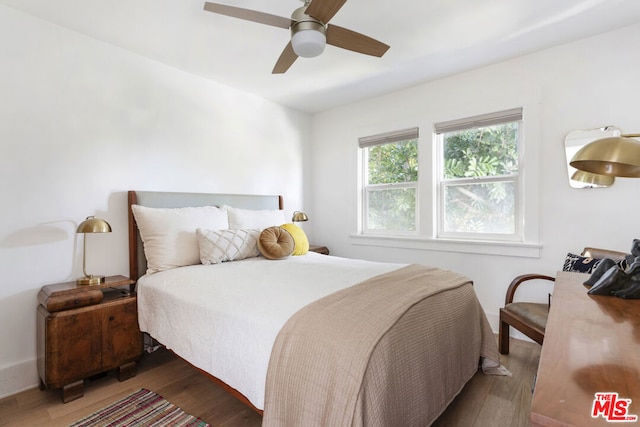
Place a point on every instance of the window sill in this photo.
(513, 249)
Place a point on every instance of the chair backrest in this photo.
(603, 253)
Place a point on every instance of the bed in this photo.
(307, 339)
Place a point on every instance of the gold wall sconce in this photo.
(617, 156)
(91, 225)
(588, 179)
(574, 142)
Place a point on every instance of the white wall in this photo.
(81, 123)
(586, 84)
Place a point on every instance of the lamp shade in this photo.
(307, 34)
(94, 225)
(614, 156)
(308, 43)
(593, 179)
(299, 217)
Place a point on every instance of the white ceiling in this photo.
(428, 39)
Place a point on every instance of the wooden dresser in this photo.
(86, 330)
(591, 345)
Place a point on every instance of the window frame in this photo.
(424, 118)
(441, 183)
(364, 143)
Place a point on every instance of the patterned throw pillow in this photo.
(580, 264)
(227, 245)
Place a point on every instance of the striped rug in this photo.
(142, 408)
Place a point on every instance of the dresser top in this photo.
(58, 289)
(591, 345)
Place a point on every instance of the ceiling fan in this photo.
(310, 30)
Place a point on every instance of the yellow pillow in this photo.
(299, 238)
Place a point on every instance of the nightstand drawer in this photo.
(62, 302)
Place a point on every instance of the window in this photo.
(478, 177)
(390, 182)
(460, 188)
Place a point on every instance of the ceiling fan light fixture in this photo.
(308, 31)
(308, 39)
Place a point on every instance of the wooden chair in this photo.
(531, 318)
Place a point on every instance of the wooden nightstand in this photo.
(319, 249)
(86, 330)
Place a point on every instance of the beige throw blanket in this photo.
(393, 350)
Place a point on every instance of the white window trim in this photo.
(531, 246)
(511, 249)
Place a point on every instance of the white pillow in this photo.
(227, 245)
(252, 218)
(169, 234)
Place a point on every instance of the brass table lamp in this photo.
(299, 217)
(91, 225)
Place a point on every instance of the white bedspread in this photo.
(224, 318)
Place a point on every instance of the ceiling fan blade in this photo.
(247, 14)
(287, 58)
(324, 10)
(350, 40)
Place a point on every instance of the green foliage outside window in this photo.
(482, 207)
(393, 163)
(481, 152)
(389, 207)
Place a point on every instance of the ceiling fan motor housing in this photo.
(307, 34)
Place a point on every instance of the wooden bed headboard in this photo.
(161, 199)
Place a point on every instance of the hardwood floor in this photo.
(486, 400)
(490, 400)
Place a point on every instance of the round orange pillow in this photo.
(275, 243)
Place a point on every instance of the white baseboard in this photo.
(19, 377)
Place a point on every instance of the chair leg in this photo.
(503, 338)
